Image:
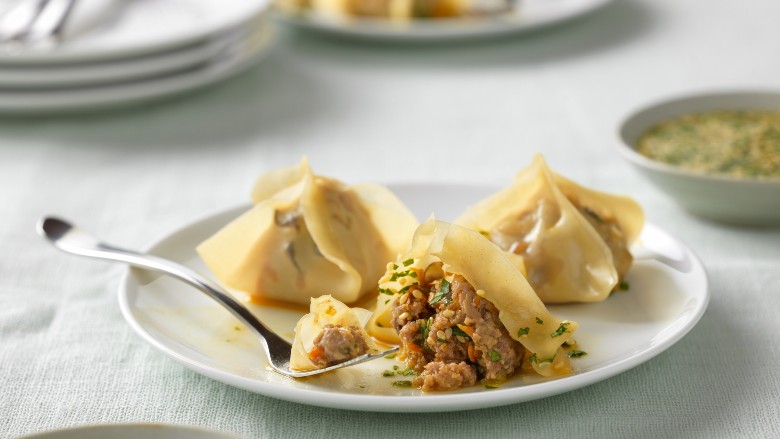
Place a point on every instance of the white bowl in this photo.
(722, 198)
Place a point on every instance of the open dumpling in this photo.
(331, 333)
(309, 235)
(461, 310)
(572, 241)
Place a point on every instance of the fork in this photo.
(35, 21)
(70, 239)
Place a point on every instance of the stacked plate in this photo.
(120, 52)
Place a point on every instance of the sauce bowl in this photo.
(747, 201)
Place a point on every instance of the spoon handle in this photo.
(70, 239)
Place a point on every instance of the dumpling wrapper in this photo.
(309, 235)
(494, 277)
(566, 259)
(325, 310)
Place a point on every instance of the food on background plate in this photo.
(741, 144)
(571, 241)
(330, 334)
(309, 235)
(396, 10)
(462, 311)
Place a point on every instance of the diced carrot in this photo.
(472, 352)
(467, 329)
(414, 348)
(316, 353)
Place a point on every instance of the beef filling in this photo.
(452, 336)
(337, 344)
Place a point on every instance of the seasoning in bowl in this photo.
(736, 143)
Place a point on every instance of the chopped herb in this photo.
(395, 266)
(576, 354)
(413, 274)
(442, 293)
(387, 291)
(395, 367)
(623, 285)
(425, 327)
(523, 331)
(408, 262)
(442, 340)
(494, 356)
(390, 356)
(400, 274)
(237, 328)
(456, 331)
(491, 386)
(388, 373)
(403, 383)
(386, 301)
(407, 372)
(539, 321)
(566, 344)
(561, 329)
(533, 359)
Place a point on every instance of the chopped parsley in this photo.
(443, 293)
(408, 262)
(494, 356)
(576, 354)
(407, 372)
(395, 367)
(459, 332)
(523, 331)
(491, 386)
(387, 291)
(561, 329)
(539, 321)
(388, 373)
(623, 286)
(390, 356)
(402, 383)
(533, 359)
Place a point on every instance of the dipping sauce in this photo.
(743, 144)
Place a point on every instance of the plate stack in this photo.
(120, 52)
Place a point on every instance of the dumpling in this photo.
(309, 235)
(461, 310)
(331, 333)
(572, 241)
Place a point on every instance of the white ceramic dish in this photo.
(132, 431)
(231, 61)
(525, 16)
(112, 29)
(667, 296)
(722, 198)
(61, 75)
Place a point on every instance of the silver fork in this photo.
(35, 22)
(70, 239)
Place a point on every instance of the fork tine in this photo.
(17, 21)
(52, 20)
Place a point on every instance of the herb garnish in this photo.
(576, 354)
(388, 373)
(456, 331)
(561, 329)
(387, 291)
(523, 331)
(623, 285)
(390, 356)
(403, 383)
(539, 321)
(408, 262)
(494, 356)
(442, 293)
(407, 372)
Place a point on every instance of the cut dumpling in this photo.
(572, 241)
(309, 235)
(330, 334)
(461, 310)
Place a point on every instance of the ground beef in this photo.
(337, 344)
(462, 331)
(446, 376)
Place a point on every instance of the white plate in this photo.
(110, 29)
(132, 431)
(232, 60)
(74, 74)
(667, 296)
(525, 15)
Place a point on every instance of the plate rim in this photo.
(437, 402)
(104, 54)
(440, 30)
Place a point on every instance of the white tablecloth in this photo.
(465, 112)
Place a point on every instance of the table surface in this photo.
(469, 112)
